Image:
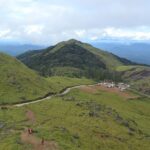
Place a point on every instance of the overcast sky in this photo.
(51, 21)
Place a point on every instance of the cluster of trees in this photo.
(93, 73)
(103, 74)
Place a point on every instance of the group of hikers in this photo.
(30, 131)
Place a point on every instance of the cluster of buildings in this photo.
(120, 86)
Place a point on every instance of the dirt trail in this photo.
(30, 116)
(36, 142)
(87, 88)
(49, 97)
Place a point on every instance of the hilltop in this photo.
(72, 58)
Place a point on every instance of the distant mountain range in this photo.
(137, 52)
(16, 49)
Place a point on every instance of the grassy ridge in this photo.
(19, 83)
(82, 121)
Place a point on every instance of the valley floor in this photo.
(85, 118)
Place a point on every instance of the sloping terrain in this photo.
(137, 76)
(76, 59)
(60, 83)
(72, 58)
(18, 82)
(92, 119)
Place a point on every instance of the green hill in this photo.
(85, 118)
(18, 82)
(72, 58)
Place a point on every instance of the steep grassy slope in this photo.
(111, 60)
(72, 58)
(19, 83)
(137, 76)
(80, 120)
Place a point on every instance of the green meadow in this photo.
(81, 120)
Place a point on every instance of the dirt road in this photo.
(49, 97)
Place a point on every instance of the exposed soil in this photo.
(96, 88)
(89, 89)
(30, 116)
(37, 142)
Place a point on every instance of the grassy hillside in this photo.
(111, 60)
(84, 119)
(19, 83)
(72, 58)
(76, 59)
(137, 76)
(60, 83)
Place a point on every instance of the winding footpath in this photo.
(49, 97)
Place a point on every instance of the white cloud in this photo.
(33, 29)
(132, 34)
(80, 33)
(94, 38)
(56, 20)
(4, 32)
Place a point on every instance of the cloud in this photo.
(80, 33)
(4, 33)
(50, 21)
(33, 29)
(128, 34)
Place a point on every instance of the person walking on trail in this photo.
(42, 142)
(30, 131)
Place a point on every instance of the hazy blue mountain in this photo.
(137, 52)
(16, 49)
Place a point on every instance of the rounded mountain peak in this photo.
(72, 41)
